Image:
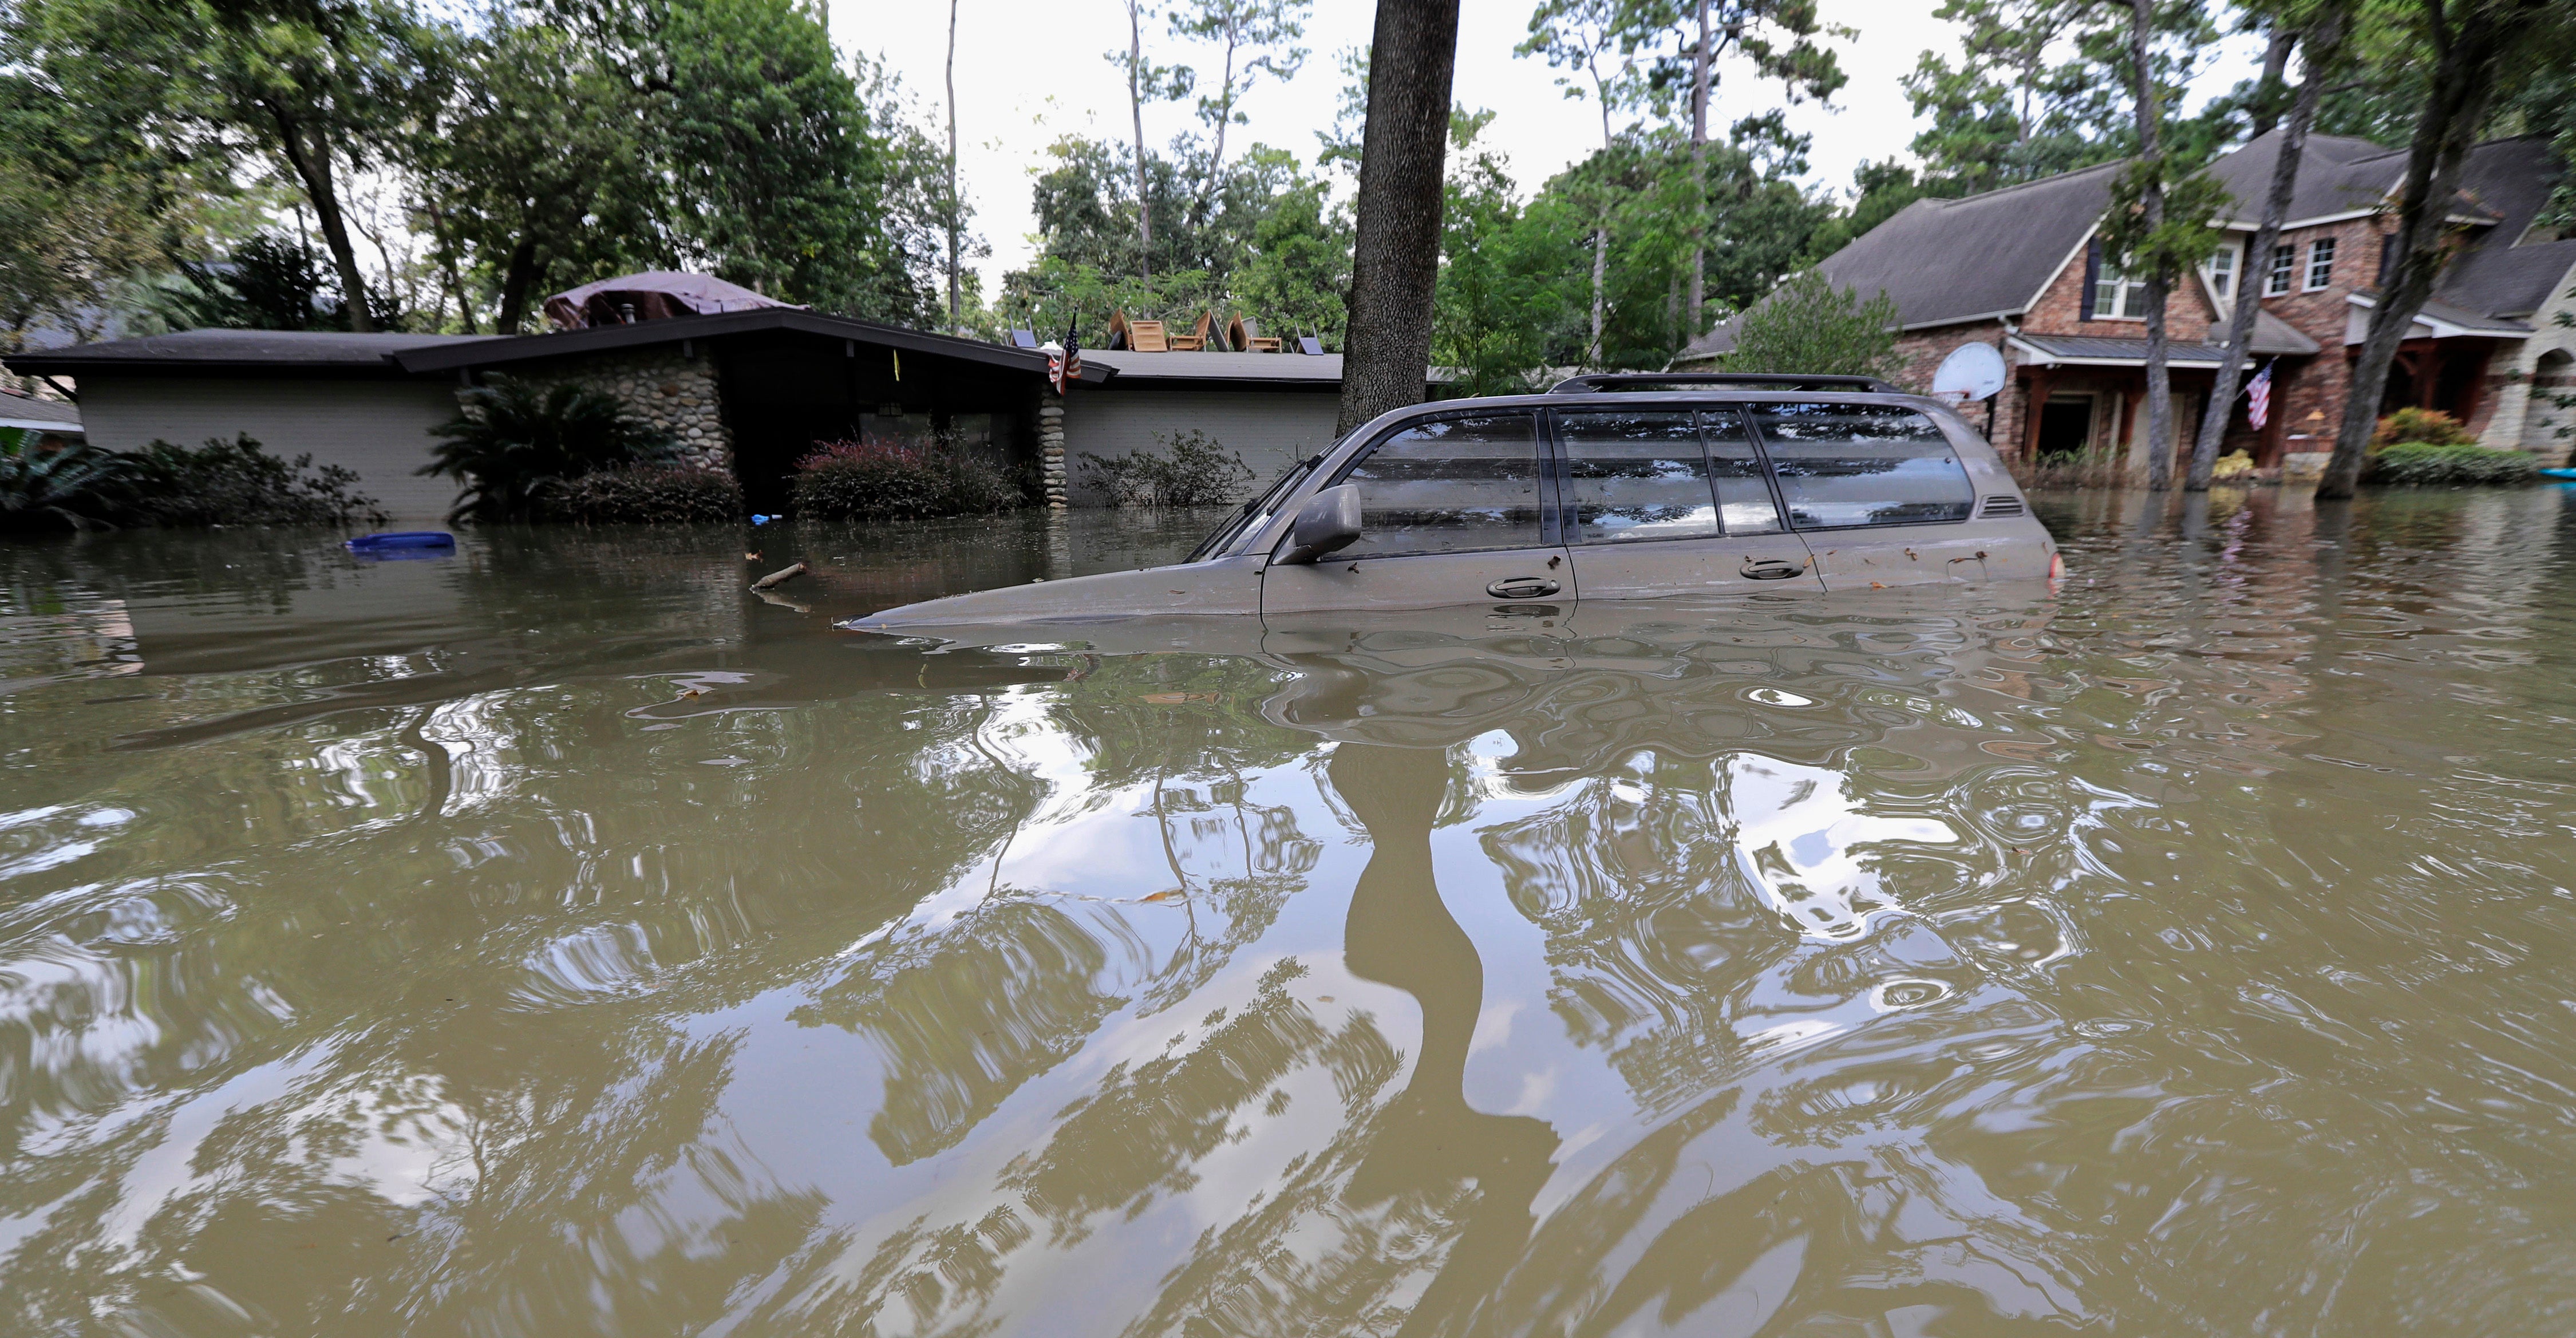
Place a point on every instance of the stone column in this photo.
(1051, 470)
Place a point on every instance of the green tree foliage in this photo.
(1810, 326)
(2038, 87)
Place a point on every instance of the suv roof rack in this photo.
(1580, 385)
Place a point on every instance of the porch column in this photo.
(2034, 402)
(1051, 472)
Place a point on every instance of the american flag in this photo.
(1065, 364)
(2258, 398)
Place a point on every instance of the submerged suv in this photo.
(1623, 487)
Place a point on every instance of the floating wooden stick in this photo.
(780, 577)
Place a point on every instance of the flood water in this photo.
(555, 938)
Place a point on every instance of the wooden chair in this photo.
(1147, 337)
(1196, 341)
(1243, 336)
(1119, 336)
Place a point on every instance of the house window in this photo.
(2320, 262)
(2222, 271)
(2116, 296)
(2285, 262)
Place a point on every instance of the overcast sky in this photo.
(1031, 70)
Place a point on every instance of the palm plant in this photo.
(517, 444)
(72, 484)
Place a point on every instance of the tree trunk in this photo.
(2276, 63)
(1600, 233)
(1701, 61)
(1600, 280)
(2151, 204)
(312, 166)
(2462, 88)
(1395, 257)
(518, 280)
(1136, 110)
(2324, 41)
(952, 169)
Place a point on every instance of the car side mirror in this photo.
(1327, 523)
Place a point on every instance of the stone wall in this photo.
(674, 393)
(1051, 472)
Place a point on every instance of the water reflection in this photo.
(588, 947)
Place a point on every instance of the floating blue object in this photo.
(2558, 473)
(759, 519)
(407, 542)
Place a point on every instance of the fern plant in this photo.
(75, 484)
(516, 446)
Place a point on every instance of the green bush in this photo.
(648, 495)
(881, 480)
(238, 482)
(2424, 462)
(517, 446)
(76, 485)
(2429, 427)
(1184, 469)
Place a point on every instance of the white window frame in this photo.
(2284, 266)
(2222, 271)
(2128, 296)
(2321, 256)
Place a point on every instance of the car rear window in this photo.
(1451, 486)
(1847, 465)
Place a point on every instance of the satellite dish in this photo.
(1971, 372)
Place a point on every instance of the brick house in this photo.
(2021, 268)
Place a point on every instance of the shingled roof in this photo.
(1950, 261)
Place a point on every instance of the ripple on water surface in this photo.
(558, 938)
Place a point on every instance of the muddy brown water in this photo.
(556, 939)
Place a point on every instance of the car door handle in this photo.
(1523, 587)
(1771, 569)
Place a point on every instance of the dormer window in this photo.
(2117, 297)
(2285, 262)
(2320, 263)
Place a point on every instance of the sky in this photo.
(1029, 71)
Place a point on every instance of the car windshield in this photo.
(1254, 512)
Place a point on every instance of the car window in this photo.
(1453, 486)
(1744, 503)
(1258, 511)
(1637, 476)
(1843, 465)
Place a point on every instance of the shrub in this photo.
(238, 482)
(1184, 469)
(2233, 465)
(76, 484)
(516, 446)
(2432, 463)
(1808, 325)
(650, 495)
(873, 479)
(2429, 427)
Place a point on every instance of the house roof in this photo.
(201, 352)
(2088, 349)
(1946, 262)
(609, 338)
(2273, 337)
(1212, 371)
(42, 415)
(2337, 175)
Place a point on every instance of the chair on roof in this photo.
(1196, 341)
(1243, 336)
(1118, 330)
(1024, 339)
(1147, 337)
(1310, 346)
